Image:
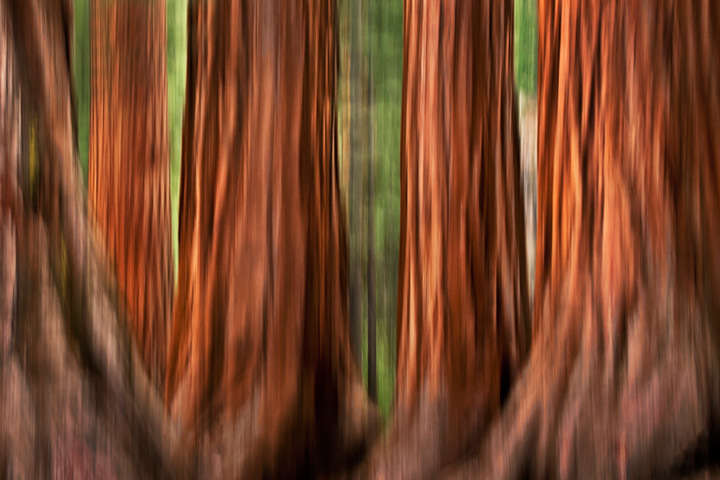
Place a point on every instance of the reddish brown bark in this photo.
(128, 178)
(260, 367)
(75, 401)
(622, 380)
(463, 315)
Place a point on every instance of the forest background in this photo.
(371, 55)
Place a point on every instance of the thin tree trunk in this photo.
(358, 157)
(129, 178)
(75, 400)
(463, 319)
(622, 380)
(344, 102)
(371, 328)
(260, 366)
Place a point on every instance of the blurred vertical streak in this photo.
(369, 105)
(370, 182)
(177, 77)
(357, 164)
(526, 53)
(81, 75)
(385, 39)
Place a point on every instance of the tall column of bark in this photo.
(75, 400)
(260, 365)
(623, 379)
(129, 161)
(463, 315)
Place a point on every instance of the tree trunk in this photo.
(623, 378)
(463, 319)
(129, 178)
(75, 400)
(371, 310)
(358, 157)
(260, 367)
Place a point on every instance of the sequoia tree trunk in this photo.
(129, 178)
(623, 380)
(260, 367)
(463, 315)
(75, 400)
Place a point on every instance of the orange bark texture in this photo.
(129, 161)
(623, 378)
(260, 365)
(463, 314)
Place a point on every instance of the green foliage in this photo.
(81, 74)
(383, 50)
(385, 44)
(526, 46)
(177, 68)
